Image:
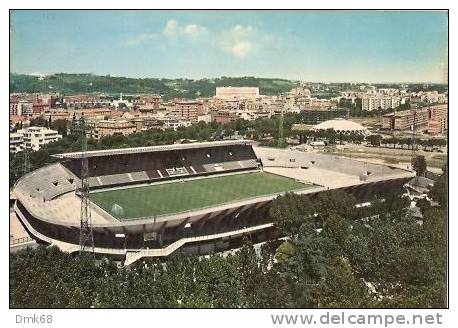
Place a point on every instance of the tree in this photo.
(285, 251)
(419, 165)
(337, 229)
(374, 139)
(341, 288)
(61, 127)
(290, 211)
(439, 191)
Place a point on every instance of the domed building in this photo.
(341, 125)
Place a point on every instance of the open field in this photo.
(193, 194)
(390, 155)
(370, 122)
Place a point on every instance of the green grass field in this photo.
(194, 194)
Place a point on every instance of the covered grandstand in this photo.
(146, 164)
(153, 201)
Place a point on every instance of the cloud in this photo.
(193, 30)
(239, 40)
(173, 29)
(242, 31)
(241, 48)
(143, 37)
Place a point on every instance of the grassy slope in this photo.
(183, 196)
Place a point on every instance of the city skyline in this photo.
(325, 46)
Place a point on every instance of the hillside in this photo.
(88, 83)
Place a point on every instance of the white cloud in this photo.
(242, 31)
(173, 28)
(144, 37)
(239, 40)
(241, 48)
(193, 30)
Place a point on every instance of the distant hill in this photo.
(88, 83)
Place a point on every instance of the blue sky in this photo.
(370, 46)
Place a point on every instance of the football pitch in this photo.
(180, 196)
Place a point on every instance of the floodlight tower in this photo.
(25, 161)
(281, 139)
(86, 233)
(414, 130)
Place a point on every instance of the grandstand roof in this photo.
(340, 125)
(150, 149)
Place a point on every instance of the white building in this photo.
(377, 102)
(21, 107)
(35, 137)
(16, 140)
(237, 92)
(117, 103)
(175, 123)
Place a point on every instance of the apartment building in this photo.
(406, 120)
(378, 102)
(111, 127)
(21, 107)
(16, 141)
(35, 137)
(187, 110)
(223, 116)
(438, 120)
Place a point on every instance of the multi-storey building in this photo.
(35, 137)
(223, 116)
(406, 120)
(21, 107)
(83, 101)
(16, 141)
(433, 118)
(377, 102)
(41, 104)
(318, 116)
(113, 127)
(93, 114)
(437, 122)
(237, 92)
(370, 102)
(187, 110)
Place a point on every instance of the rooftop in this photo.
(340, 125)
(150, 149)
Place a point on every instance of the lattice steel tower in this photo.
(281, 137)
(86, 233)
(25, 161)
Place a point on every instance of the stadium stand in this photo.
(283, 158)
(116, 168)
(47, 183)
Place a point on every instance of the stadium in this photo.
(196, 198)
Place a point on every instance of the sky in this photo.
(315, 46)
